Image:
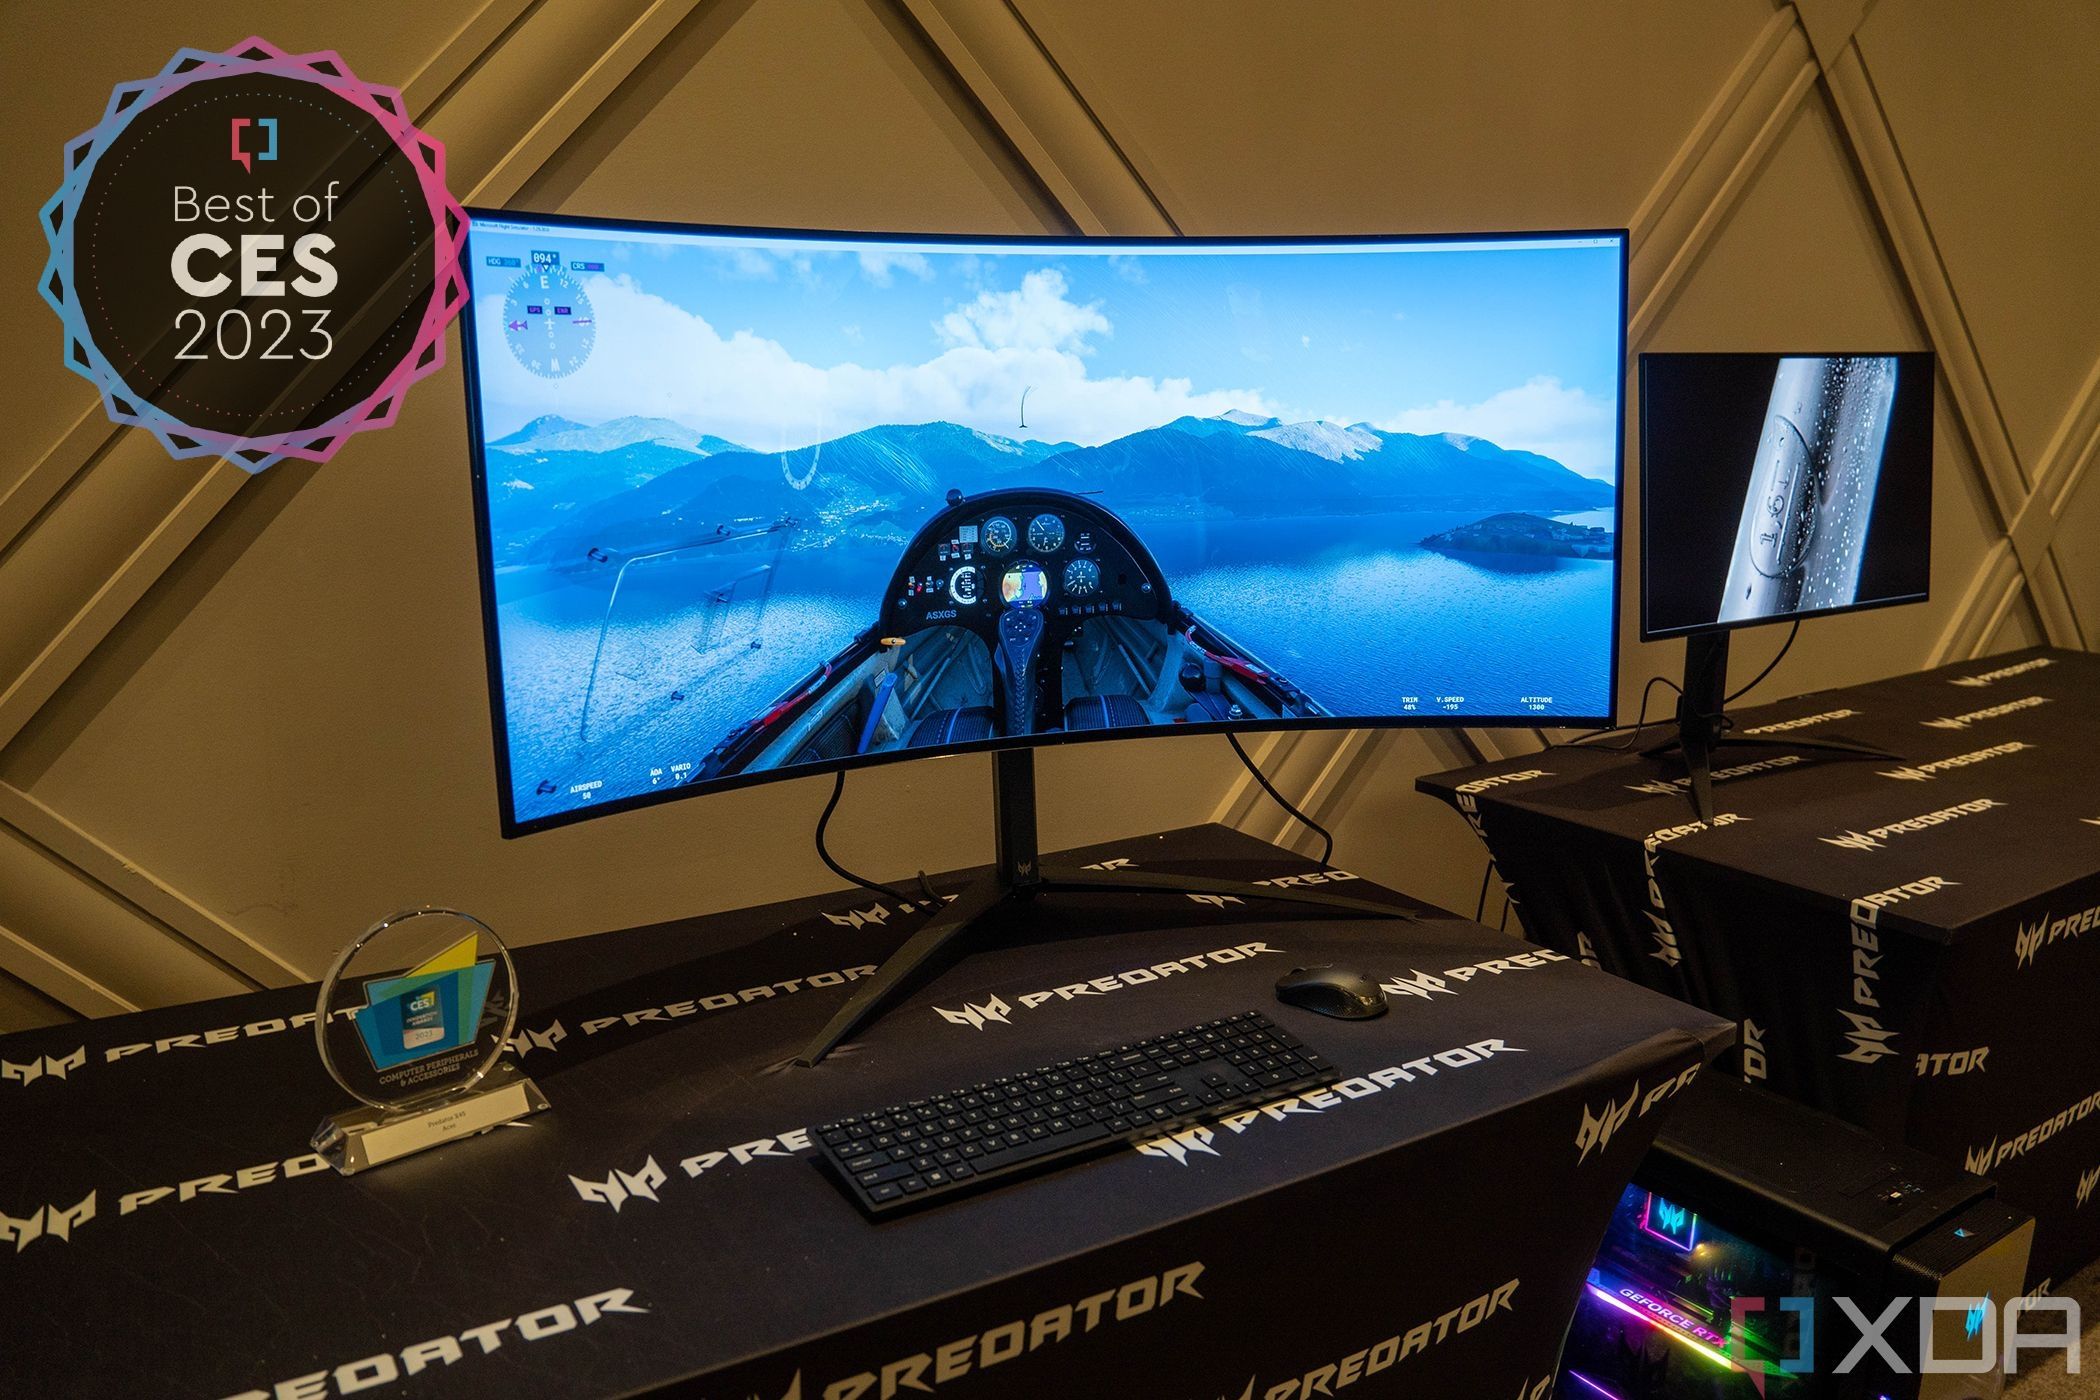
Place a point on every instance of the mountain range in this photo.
(676, 486)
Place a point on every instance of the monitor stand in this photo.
(1702, 727)
(972, 918)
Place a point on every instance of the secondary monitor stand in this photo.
(1702, 727)
(973, 916)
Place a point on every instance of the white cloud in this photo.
(1305, 342)
(878, 265)
(1540, 415)
(653, 358)
(1039, 316)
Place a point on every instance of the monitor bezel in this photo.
(1649, 634)
(492, 636)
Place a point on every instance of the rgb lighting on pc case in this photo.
(755, 504)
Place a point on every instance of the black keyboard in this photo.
(898, 1159)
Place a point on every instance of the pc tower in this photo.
(1720, 1273)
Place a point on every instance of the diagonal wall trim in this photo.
(996, 58)
(26, 962)
(91, 858)
(1714, 167)
(1873, 145)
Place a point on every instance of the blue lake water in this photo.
(1354, 611)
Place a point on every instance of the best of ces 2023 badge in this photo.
(254, 255)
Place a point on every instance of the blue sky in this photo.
(778, 344)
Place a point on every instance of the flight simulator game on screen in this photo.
(1778, 485)
(757, 501)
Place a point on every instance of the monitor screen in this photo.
(1776, 486)
(758, 503)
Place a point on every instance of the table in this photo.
(1421, 1229)
(1902, 942)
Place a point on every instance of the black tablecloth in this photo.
(1908, 943)
(1422, 1229)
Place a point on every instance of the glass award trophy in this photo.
(413, 1021)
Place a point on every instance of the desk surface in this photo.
(1984, 793)
(212, 1258)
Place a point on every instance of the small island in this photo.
(1520, 533)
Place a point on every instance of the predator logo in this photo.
(621, 1187)
(877, 914)
(1926, 772)
(56, 1066)
(1423, 984)
(1216, 901)
(974, 1015)
(2030, 939)
(1598, 1129)
(1753, 1059)
(2086, 1182)
(2003, 672)
(525, 1042)
(1112, 863)
(1878, 837)
(54, 1221)
(1868, 1038)
(1963, 721)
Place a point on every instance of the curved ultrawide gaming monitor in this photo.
(759, 503)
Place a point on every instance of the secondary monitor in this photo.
(757, 503)
(1782, 486)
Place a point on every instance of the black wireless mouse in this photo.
(1331, 991)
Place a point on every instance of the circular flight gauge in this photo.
(1082, 578)
(998, 537)
(1025, 585)
(548, 324)
(962, 584)
(1046, 534)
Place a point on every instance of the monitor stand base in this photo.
(1703, 728)
(970, 920)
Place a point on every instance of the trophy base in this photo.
(358, 1139)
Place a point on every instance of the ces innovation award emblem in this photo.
(253, 255)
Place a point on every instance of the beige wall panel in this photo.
(50, 98)
(66, 919)
(23, 1008)
(802, 114)
(2019, 628)
(1376, 116)
(307, 688)
(84, 535)
(1993, 109)
(2077, 552)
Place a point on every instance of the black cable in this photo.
(1327, 854)
(838, 788)
(1785, 646)
(1630, 730)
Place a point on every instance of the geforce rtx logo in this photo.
(54, 1221)
(56, 1066)
(974, 1014)
(621, 1187)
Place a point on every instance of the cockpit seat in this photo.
(1105, 712)
(957, 726)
